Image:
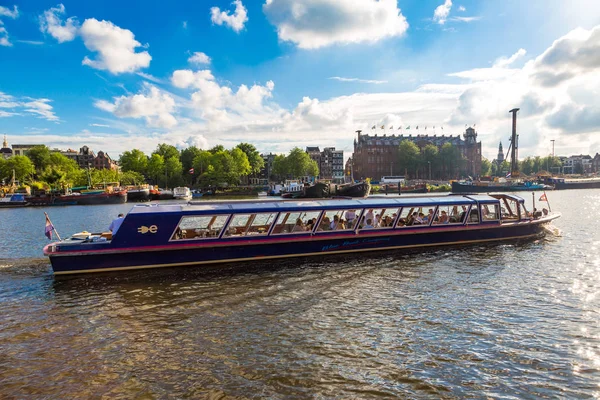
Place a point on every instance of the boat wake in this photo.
(551, 229)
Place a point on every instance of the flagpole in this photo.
(53, 228)
(546, 197)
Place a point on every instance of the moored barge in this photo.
(218, 232)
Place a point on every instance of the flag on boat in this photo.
(543, 197)
(191, 171)
(49, 228)
(508, 175)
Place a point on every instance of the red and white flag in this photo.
(543, 198)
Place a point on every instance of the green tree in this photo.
(241, 163)
(280, 168)
(201, 162)
(173, 171)
(451, 160)
(156, 168)
(430, 162)
(22, 166)
(40, 156)
(131, 178)
(166, 151)
(486, 167)
(217, 149)
(134, 160)
(256, 161)
(187, 158)
(408, 157)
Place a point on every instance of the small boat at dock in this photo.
(13, 200)
(182, 193)
(197, 233)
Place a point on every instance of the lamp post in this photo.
(552, 140)
(429, 165)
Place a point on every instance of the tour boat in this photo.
(581, 183)
(196, 233)
(491, 187)
(138, 193)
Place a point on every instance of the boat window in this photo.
(473, 216)
(296, 222)
(414, 216)
(490, 212)
(334, 220)
(510, 209)
(261, 223)
(351, 217)
(450, 214)
(200, 227)
(380, 217)
(238, 224)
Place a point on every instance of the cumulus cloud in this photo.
(115, 47)
(154, 107)
(577, 52)
(52, 23)
(199, 58)
(234, 21)
(441, 12)
(319, 23)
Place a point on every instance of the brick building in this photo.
(376, 156)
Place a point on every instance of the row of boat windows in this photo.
(298, 222)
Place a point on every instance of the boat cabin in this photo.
(205, 221)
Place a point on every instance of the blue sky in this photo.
(283, 73)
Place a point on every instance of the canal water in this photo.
(498, 321)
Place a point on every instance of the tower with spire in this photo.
(500, 158)
(5, 151)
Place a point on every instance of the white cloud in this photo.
(51, 22)
(199, 58)
(462, 8)
(41, 108)
(149, 77)
(154, 107)
(235, 21)
(100, 125)
(505, 62)
(33, 42)
(115, 47)
(465, 19)
(26, 105)
(319, 23)
(184, 24)
(5, 12)
(341, 79)
(440, 14)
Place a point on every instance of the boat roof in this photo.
(252, 206)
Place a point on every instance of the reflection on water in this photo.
(513, 320)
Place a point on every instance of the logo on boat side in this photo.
(145, 229)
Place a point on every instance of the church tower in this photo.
(5, 151)
(500, 158)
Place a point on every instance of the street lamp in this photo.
(429, 164)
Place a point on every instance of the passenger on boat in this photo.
(324, 224)
(341, 225)
(350, 216)
(369, 224)
(333, 225)
(116, 223)
(299, 227)
(369, 215)
(443, 219)
(429, 216)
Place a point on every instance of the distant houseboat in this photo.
(172, 235)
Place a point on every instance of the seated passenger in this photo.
(369, 224)
(299, 227)
(443, 218)
(401, 222)
(333, 225)
(421, 218)
(341, 225)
